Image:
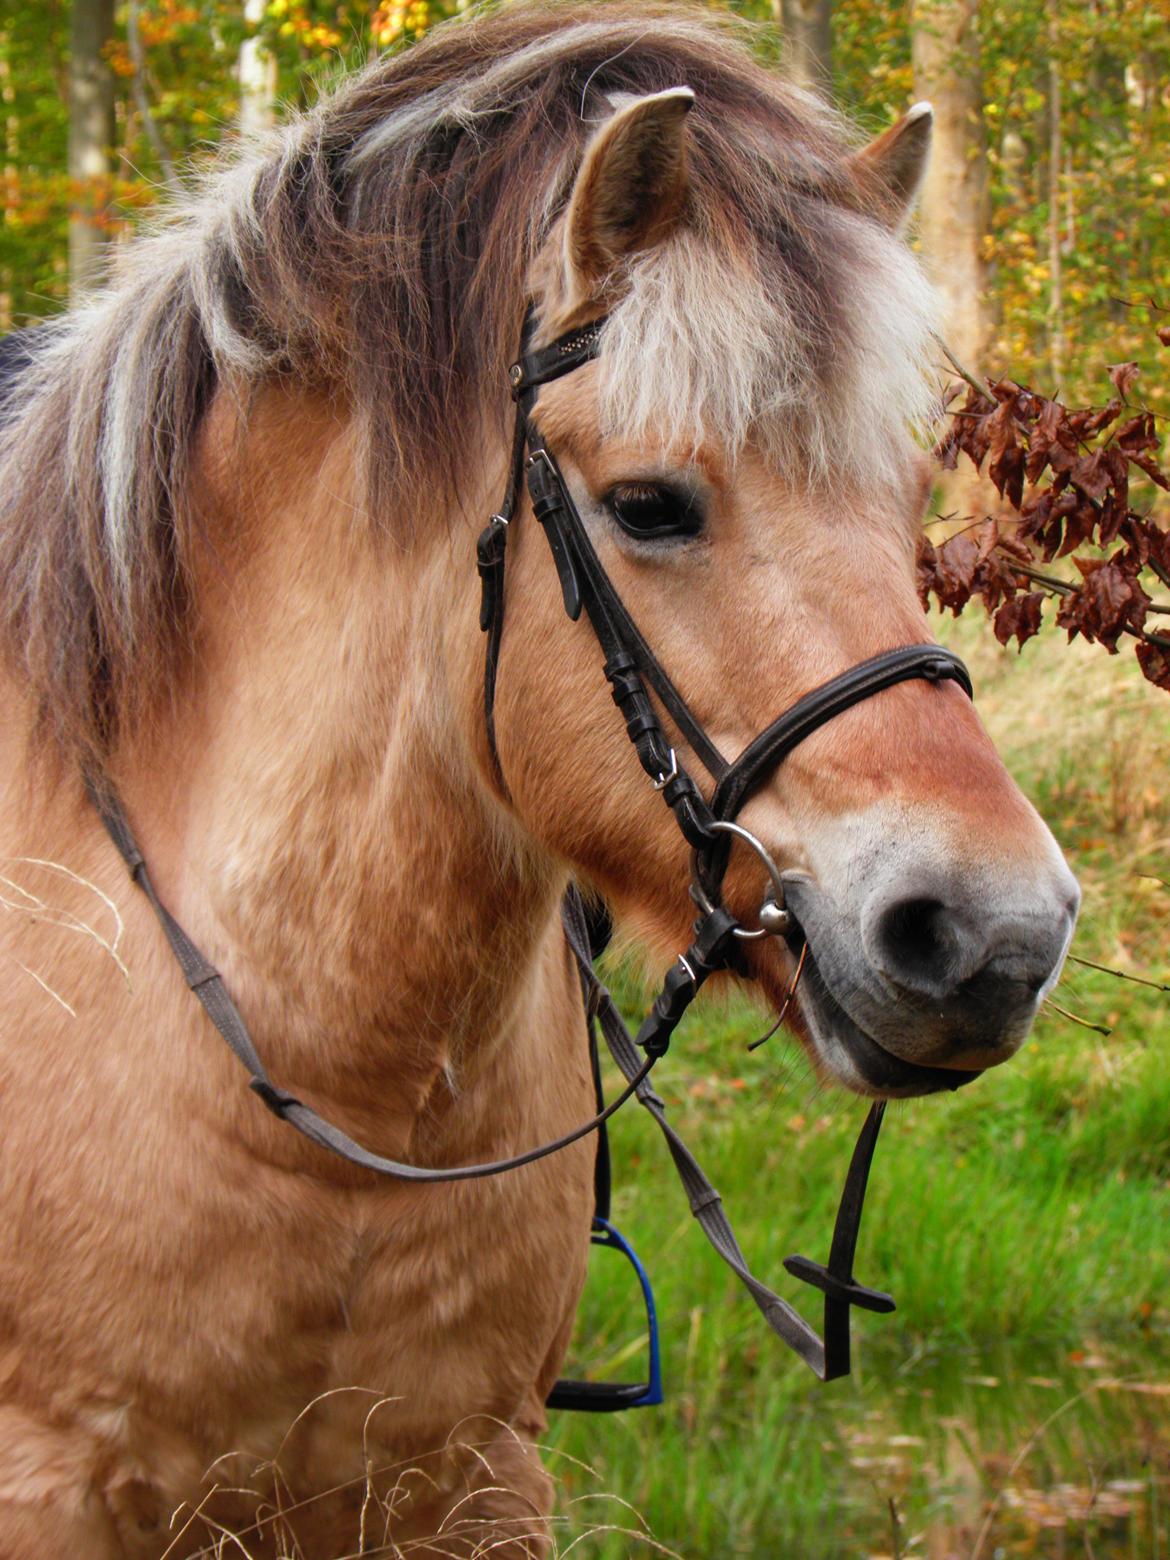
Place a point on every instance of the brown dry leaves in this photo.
(1064, 476)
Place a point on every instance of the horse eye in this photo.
(647, 509)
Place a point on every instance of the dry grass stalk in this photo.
(388, 1491)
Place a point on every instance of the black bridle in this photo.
(708, 828)
(630, 663)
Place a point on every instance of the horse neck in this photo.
(316, 806)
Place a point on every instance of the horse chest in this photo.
(440, 1297)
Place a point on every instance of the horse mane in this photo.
(378, 247)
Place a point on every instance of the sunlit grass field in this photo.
(1019, 1400)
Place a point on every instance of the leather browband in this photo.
(540, 366)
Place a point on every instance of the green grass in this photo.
(1023, 1226)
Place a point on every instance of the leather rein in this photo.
(708, 828)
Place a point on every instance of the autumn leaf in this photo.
(954, 571)
(1049, 429)
(1150, 466)
(1019, 618)
(1154, 661)
(1123, 376)
(1095, 421)
(1137, 435)
(1108, 603)
(926, 567)
(1007, 472)
(1091, 474)
(1081, 522)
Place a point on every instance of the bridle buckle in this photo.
(664, 779)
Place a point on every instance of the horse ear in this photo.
(631, 189)
(892, 168)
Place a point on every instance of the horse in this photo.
(240, 491)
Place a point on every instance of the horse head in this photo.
(741, 457)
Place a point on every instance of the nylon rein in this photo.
(707, 827)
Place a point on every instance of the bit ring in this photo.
(703, 901)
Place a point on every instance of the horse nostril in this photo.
(919, 943)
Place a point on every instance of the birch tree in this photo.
(808, 40)
(91, 137)
(945, 48)
(257, 72)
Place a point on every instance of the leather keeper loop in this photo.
(679, 790)
(546, 506)
(626, 686)
(642, 723)
(278, 1102)
(844, 1291)
(714, 936)
(692, 823)
(489, 560)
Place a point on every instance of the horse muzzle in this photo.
(923, 979)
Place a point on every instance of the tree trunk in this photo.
(1055, 153)
(257, 77)
(91, 137)
(11, 154)
(954, 212)
(808, 33)
(142, 98)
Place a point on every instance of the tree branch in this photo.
(963, 373)
(142, 101)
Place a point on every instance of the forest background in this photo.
(1019, 1400)
(1046, 215)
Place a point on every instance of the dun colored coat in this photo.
(239, 494)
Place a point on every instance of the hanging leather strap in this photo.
(705, 955)
(829, 1359)
(634, 1058)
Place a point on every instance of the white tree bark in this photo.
(91, 136)
(257, 73)
(953, 207)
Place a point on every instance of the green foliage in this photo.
(34, 182)
(190, 83)
(1113, 56)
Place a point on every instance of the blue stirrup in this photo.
(609, 1397)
